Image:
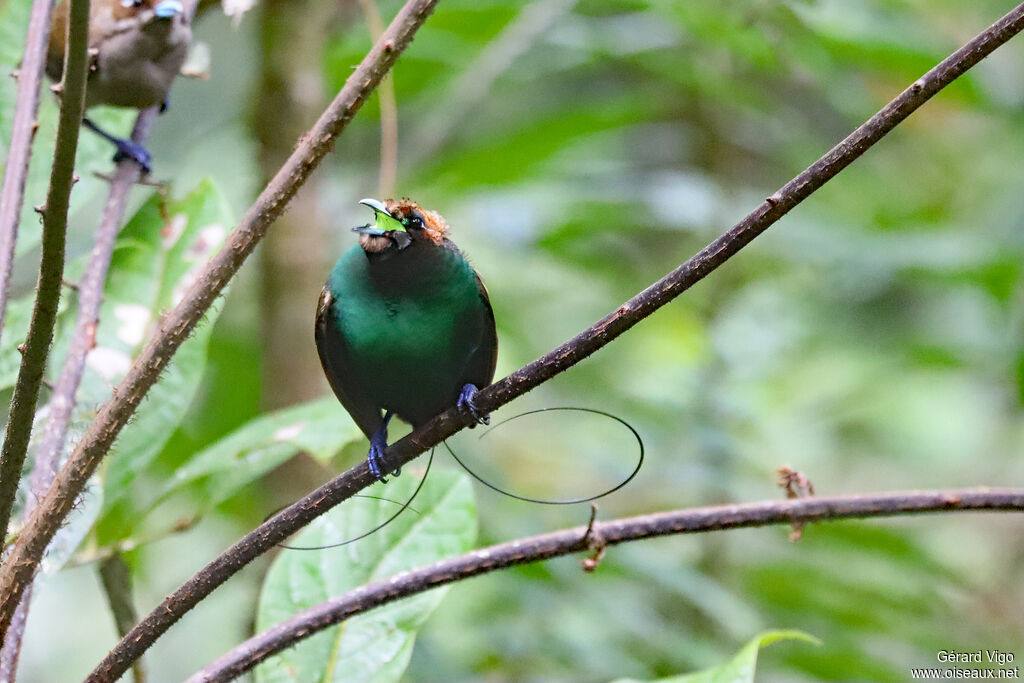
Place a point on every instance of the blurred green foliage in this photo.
(872, 339)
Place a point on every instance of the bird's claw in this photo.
(467, 405)
(375, 458)
(127, 149)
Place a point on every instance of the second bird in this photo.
(137, 49)
(404, 325)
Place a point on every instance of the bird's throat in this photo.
(374, 244)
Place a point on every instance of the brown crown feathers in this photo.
(431, 227)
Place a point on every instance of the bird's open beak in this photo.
(385, 221)
(168, 9)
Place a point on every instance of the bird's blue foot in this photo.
(126, 149)
(466, 405)
(378, 444)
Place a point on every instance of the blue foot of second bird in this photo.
(378, 444)
(467, 405)
(126, 149)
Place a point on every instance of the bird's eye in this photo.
(131, 3)
(415, 222)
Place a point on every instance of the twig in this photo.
(594, 542)
(17, 572)
(388, 109)
(51, 266)
(543, 547)
(319, 501)
(117, 584)
(796, 485)
(23, 133)
(62, 402)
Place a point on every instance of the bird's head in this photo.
(399, 223)
(148, 10)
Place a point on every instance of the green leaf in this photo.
(157, 257)
(320, 428)
(375, 646)
(739, 669)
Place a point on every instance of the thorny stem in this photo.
(12, 198)
(90, 299)
(297, 515)
(51, 266)
(62, 400)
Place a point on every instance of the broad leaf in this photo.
(375, 646)
(320, 428)
(158, 256)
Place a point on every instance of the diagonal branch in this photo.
(297, 515)
(536, 548)
(17, 572)
(51, 264)
(23, 133)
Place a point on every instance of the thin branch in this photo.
(17, 572)
(388, 109)
(319, 501)
(62, 400)
(12, 198)
(536, 548)
(90, 299)
(51, 266)
(23, 133)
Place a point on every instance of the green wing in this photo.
(481, 365)
(339, 368)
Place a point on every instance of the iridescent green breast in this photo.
(407, 328)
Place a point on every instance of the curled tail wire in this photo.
(571, 501)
